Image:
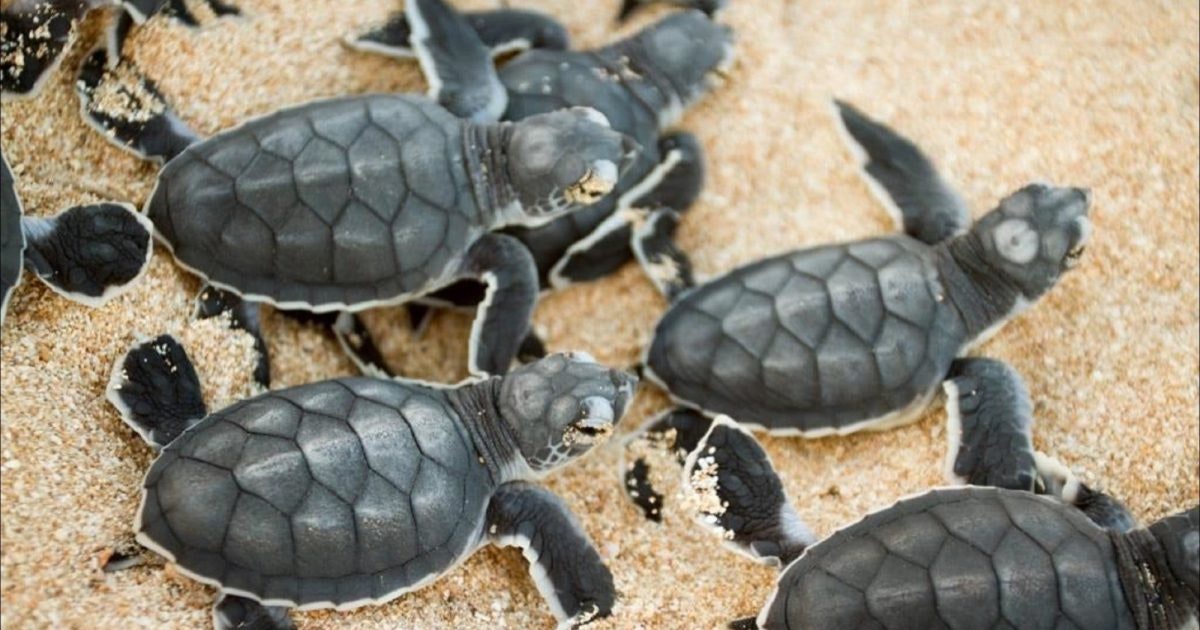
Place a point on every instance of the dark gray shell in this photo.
(542, 81)
(343, 201)
(335, 493)
(12, 237)
(964, 558)
(814, 340)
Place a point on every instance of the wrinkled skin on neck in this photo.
(1015, 253)
(1159, 567)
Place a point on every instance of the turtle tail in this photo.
(156, 390)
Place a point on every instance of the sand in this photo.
(1100, 94)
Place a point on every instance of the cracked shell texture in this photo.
(342, 491)
(542, 81)
(962, 558)
(342, 201)
(814, 339)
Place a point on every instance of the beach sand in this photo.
(1098, 94)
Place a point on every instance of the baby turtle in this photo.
(839, 338)
(966, 558)
(642, 84)
(353, 491)
(350, 203)
(88, 254)
(38, 32)
(302, 208)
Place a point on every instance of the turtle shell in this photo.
(348, 201)
(966, 558)
(543, 81)
(815, 341)
(12, 237)
(336, 493)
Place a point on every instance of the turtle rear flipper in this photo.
(564, 563)
(90, 253)
(738, 493)
(35, 36)
(676, 432)
(1104, 510)
(456, 64)
(357, 342)
(128, 110)
(502, 31)
(503, 319)
(232, 612)
(156, 390)
(926, 207)
(990, 422)
(243, 315)
(646, 218)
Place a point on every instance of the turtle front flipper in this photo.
(357, 342)
(156, 390)
(243, 315)
(564, 563)
(91, 253)
(667, 266)
(503, 319)
(456, 63)
(989, 426)
(35, 36)
(232, 612)
(128, 110)
(646, 217)
(925, 206)
(735, 491)
(676, 433)
(503, 31)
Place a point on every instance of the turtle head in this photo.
(684, 54)
(1036, 234)
(560, 406)
(1179, 536)
(563, 161)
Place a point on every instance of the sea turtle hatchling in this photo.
(355, 202)
(353, 491)
(969, 558)
(349, 203)
(88, 253)
(642, 84)
(839, 338)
